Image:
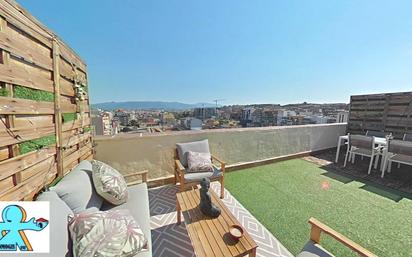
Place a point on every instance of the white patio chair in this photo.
(397, 151)
(363, 146)
(376, 133)
(407, 137)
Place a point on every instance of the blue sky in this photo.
(243, 51)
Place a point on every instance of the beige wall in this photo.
(132, 152)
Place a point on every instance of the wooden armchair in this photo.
(142, 173)
(313, 246)
(184, 181)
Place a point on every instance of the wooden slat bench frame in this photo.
(318, 228)
(142, 173)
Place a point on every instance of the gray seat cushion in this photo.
(197, 146)
(407, 137)
(400, 147)
(138, 205)
(362, 151)
(402, 158)
(76, 189)
(314, 250)
(60, 243)
(198, 176)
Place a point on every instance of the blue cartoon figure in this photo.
(12, 229)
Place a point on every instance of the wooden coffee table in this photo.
(210, 237)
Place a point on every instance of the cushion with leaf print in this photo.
(199, 162)
(106, 233)
(109, 183)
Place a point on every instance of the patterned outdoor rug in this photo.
(170, 239)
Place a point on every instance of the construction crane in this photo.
(217, 104)
(217, 101)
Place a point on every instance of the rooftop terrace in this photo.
(298, 180)
(277, 177)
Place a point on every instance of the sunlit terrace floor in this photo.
(399, 179)
(275, 201)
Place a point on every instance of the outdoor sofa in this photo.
(78, 189)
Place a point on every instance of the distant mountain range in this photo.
(149, 105)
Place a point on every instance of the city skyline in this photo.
(159, 105)
(265, 52)
(112, 121)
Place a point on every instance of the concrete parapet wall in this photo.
(132, 152)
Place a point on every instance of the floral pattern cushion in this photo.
(109, 183)
(199, 162)
(106, 233)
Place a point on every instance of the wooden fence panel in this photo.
(383, 112)
(11, 105)
(33, 121)
(39, 76)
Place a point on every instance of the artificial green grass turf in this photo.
(37, 144)
(4, 92)
(69, 117)
(284, 195)
(33, 94)
(36, 95)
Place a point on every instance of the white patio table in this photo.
(381, 141)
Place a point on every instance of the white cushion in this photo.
(109, 183)
(197, 146)
(199, 162)
(106, 233)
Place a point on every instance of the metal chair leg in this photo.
(346, 157)
(376, 161)
(370, 165)
(383, 162)
(384, 166)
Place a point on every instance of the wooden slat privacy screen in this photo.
(382, 112)
(45, 119)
